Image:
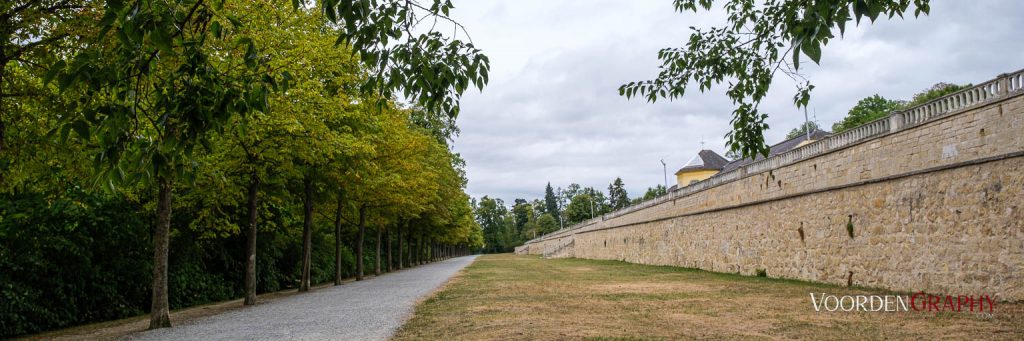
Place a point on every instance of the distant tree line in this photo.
(875, 107)
(507, 226)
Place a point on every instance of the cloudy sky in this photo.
(552, 111)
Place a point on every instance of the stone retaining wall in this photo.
(934, 201)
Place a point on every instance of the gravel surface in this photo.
(372, 309)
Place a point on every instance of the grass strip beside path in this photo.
(503, 297)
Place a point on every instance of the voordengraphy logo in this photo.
(920, 302)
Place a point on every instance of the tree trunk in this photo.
(387, 239)
(423, 247)
(337, 237)
(376, 257)
(307, 232)
(3, 126)
(409, 245)
(416, 251)
(159, 313)
(3, 129)
(359, 242)
(250, 247)
(398, 238)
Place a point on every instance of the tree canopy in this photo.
(875, 107)
(803, 129)
(273, 131)
(867, 109)
(758, 40)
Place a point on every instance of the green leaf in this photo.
(234, 21)
(796, 56)
(53, 71)
(81, 128)
(162, 39)
(216, 29)
(812, 50)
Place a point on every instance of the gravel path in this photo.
(372, 309)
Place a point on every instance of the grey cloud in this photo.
(552, 111)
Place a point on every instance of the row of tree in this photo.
(505, 227)
(875, 107)
(260, 143)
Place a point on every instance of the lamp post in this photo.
(591, 207)
(664, 170)
(807, 125)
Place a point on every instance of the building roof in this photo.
(704, 160)
(778, 148)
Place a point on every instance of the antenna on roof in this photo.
(814, 116)
(702, 142)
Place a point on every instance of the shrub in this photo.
(71, 260)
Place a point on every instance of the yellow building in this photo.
(707, 163)
(702, 166)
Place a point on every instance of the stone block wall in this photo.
(935, 207)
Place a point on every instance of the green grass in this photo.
(509, 297)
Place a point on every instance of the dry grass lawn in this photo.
(510, 297)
